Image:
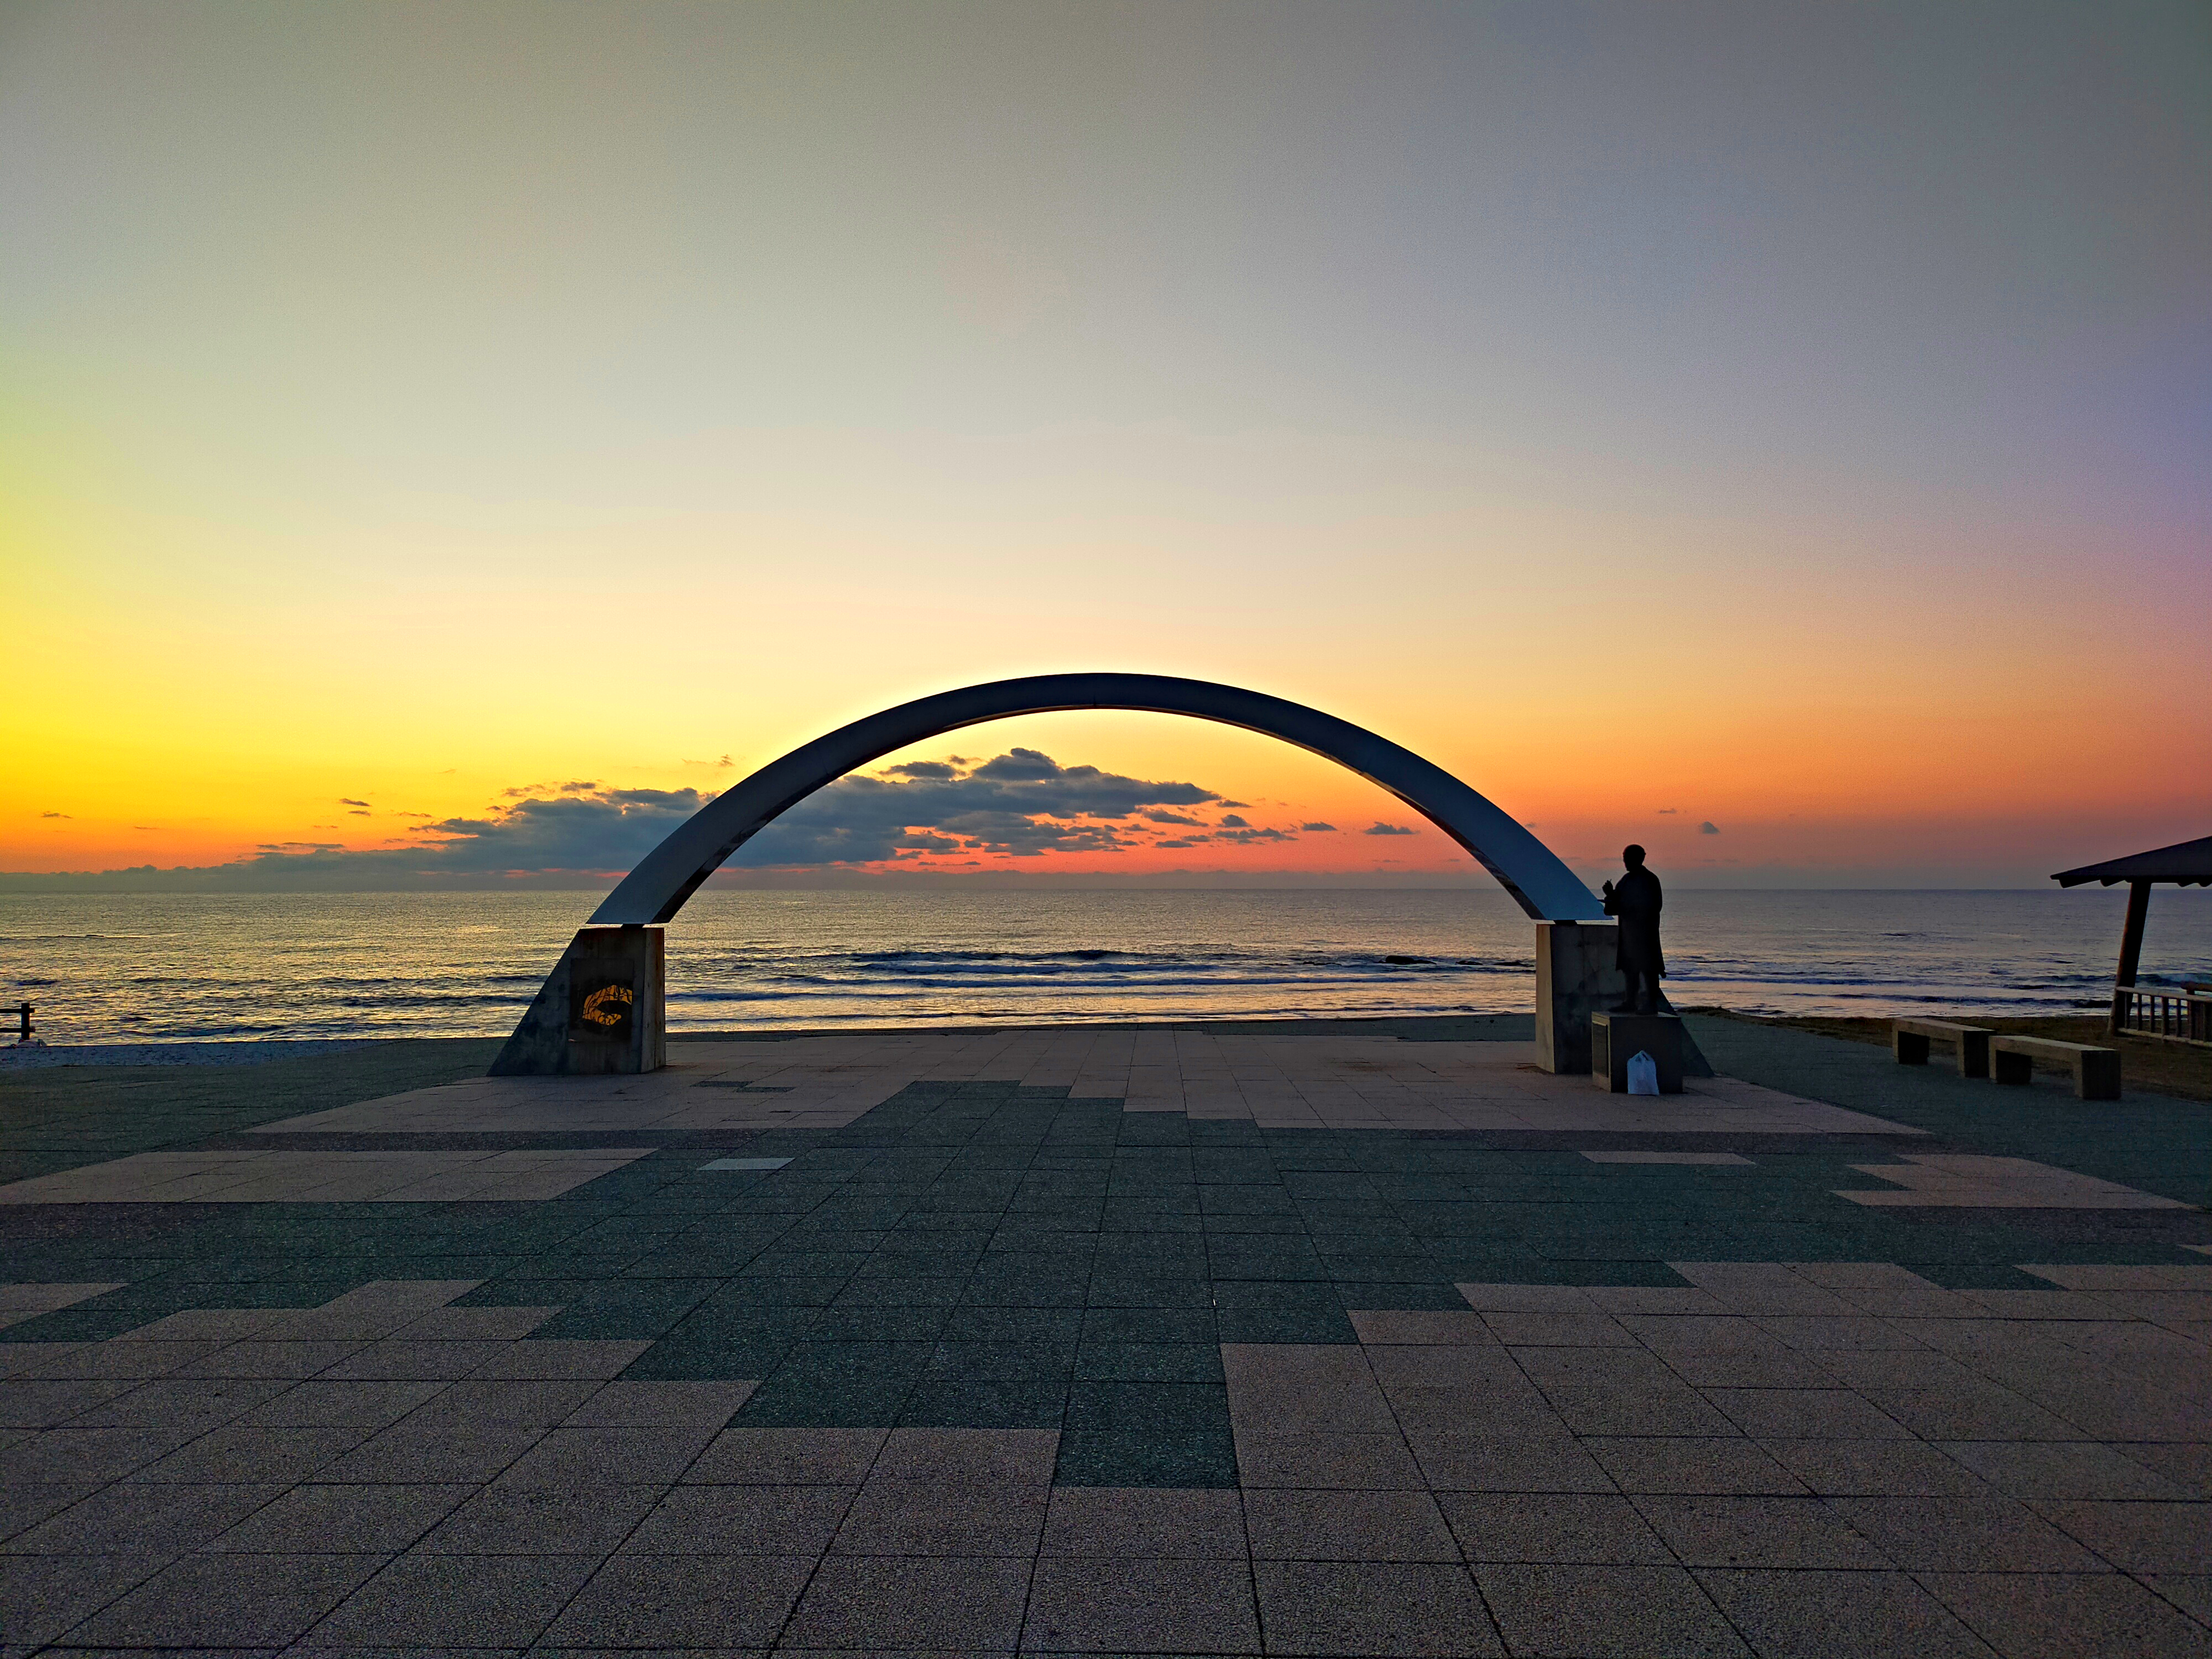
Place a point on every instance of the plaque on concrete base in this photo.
(1615, 1039)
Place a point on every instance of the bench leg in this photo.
(1910, 1047)
(2097, 1077)
(1974, 1054)
(2011, 1068)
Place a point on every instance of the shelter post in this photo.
(2131, 939)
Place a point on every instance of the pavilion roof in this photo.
(2186, 863)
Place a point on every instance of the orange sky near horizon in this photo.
(409, 408)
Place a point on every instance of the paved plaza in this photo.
(1329, 1338)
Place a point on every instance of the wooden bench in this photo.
(2096, 1071)
(1909, 1039)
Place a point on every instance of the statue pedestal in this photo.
(603, 1010)
(1575, 979)
(1614, 1037)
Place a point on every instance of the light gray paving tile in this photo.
(2060, 1469)
(117, 1358)
(1594, 1612)
(410, 1454)
(227, 1602)
(1664, 1300)
(453, 1602)
(2026, 1615)
(148, 1522)
(1146, 1606)
(206, 1403)
(890, 1602)
(579, 1519)
(557, 1359)
(289, 1361)
(1884, 1469)
(1342, 1607)
(1746, 1370)
(447, 1324)
(2140, 1537)
(1585, 1329)
(406, 1359)
(1424, 1326)
(314, 1404)
(1839, 1615)
(1346, 1526)
(1527, 1298)
(1347, 1461)
(575, 1457)
(729, 1519)
(1805, 1414)
(1986, 1533)
(943, 1518)
(1292, 1388)
(66, 1454)
(1603, 1408)
(1981, 1411)
(1676, 1335)
(233, 1454)
(1574, 1528)
(661, 1405)
(2190, 1592)
(48, 1402)
(779, 1457)
(1758, 1532)
(25, 1505)
(342, 1520)
(688, 1603)
(481, 1403)
(2188, 1466)
(45, 1595)
(1144, 1522)
(1483, 1463)
(1017, 1456)
(1719, 1466)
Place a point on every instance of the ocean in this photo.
(139, 969)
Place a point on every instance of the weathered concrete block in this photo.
(602, 1010)
(1575, 978)
(1614, 1037)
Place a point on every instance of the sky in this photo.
(446, 444)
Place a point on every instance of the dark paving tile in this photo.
(455, 1601)
(585, 1519)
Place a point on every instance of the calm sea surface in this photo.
(134, 969)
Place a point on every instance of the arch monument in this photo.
(602, 1008)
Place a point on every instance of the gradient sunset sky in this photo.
(1775, 434)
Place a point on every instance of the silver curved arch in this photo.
(667, 875)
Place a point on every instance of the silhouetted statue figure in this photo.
(1636, 899)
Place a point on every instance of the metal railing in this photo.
(2179, 1013)
(21, 1013)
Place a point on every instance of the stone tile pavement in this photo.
(995, 1365)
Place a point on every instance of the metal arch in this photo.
(657, 889)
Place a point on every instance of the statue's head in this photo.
(1632, 856)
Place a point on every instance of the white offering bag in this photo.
(1643, 1073)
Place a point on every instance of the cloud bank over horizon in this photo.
(948, 816)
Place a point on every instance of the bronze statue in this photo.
(1636, 900)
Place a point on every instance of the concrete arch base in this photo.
(603, 1010)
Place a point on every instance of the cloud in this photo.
(1709, 828)
(1230, 821)
(1319, 829)
(360, 813)
(1246, 837)
(1378, 827)
(55, 815)
(1020, 805)
(1017, 804)
(343, 801)
(1668, 811)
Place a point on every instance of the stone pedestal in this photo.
(1614, 1037)
(1575, 978)
(603, 1010)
